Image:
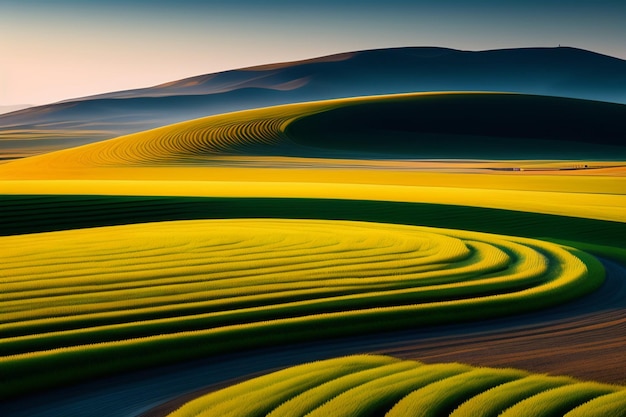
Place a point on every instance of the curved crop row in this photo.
(401, 126)
(254, 132)
(194, 142)
(364, 385)
(138, 295)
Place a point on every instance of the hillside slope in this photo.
(406, 127)
(566, 72)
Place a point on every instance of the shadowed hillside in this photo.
(566, 72)
(481, 126)
(404, 126)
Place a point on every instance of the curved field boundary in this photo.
(452, 122)
(251, 132)
(365, 385)
(571, 203)
(44, 213)
(133, 296)
(467, 126)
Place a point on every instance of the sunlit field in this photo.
(334, 220)
(379, 385)
(208, 286)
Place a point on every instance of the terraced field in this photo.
(292, 224)
(379, 385)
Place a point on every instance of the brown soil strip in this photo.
(590, 347)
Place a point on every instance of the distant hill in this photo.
(12, 108)
(562, 71)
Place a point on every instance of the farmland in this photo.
(206, 292)
(293, 224)
(363, 385)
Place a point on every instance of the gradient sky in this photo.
(54, 50)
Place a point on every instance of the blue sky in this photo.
(54, 50)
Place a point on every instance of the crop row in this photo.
(413, 126)
(366, 385)
(138, 295)
(253, 132)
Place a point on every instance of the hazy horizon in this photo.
(65, 49)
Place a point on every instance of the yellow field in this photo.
(596, 205)
(248, 154)
(96, 291)
(247, 137)
(366, 385)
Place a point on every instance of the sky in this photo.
(54, 50)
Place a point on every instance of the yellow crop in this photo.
(249, 154)
(211, 284)
(339, 387)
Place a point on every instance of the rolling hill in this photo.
(418, 126)
(367, 148)
(480, 227)
(565, 72)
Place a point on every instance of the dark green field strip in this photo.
(22, 214)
